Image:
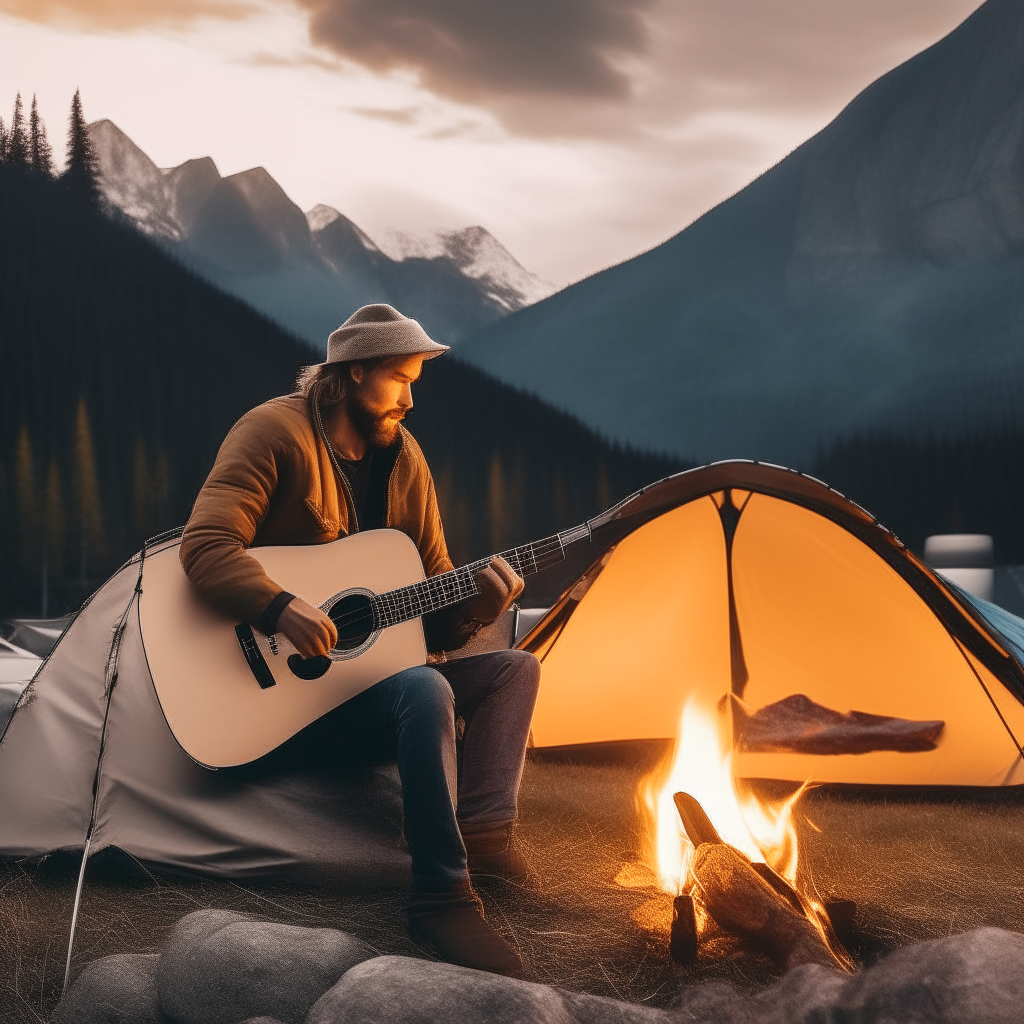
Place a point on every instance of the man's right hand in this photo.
(310, 631)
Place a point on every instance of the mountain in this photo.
(306, 271)
(123, 370)
(873, 281)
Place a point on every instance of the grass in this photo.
(919, 867)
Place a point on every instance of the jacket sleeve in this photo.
(223, 524)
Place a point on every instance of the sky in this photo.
(579, 132)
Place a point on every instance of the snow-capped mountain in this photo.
(479, 255)
(308, 271)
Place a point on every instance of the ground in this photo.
(919, 867)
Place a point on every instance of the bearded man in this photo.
(321, 464)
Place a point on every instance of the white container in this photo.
(965, 559)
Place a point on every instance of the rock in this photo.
(118, 989)
(220, 967)
(974, 978)
(399, 990)
(261, 1020)
(809, 993)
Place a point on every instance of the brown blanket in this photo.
(796, 725)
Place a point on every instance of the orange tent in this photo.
(848, 660)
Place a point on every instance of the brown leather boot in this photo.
(492, 853)
(451, 924)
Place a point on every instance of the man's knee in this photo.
(422, 690)
(521, 669)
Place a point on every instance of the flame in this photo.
(701, 765)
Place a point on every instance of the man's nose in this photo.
(405, 398)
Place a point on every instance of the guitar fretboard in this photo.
(449, 588)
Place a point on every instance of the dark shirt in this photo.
(357, 473)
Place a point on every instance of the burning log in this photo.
(749, 900)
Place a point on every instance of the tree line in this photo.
(25, 148)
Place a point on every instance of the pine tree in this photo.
(88, 492)
(40, 153)
(81, 176)
(28, 512)
(17, 141)
(3, 143)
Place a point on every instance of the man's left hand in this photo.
(498, 585)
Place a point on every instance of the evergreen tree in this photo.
(17, 141)
(3, 143)
(81, 176)
(40, 153)
(28, 512)
(88, 493)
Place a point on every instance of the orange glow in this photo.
(701, 765)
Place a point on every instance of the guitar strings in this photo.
(406, 603)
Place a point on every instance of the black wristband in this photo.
(268, 620)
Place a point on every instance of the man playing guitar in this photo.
(326, 462)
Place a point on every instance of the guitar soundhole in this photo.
(309, 668)
(353, 618)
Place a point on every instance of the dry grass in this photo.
(918, 869)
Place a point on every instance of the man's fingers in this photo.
(509, 577)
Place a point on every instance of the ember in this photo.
(731, 861)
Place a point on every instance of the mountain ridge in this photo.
(244, 233)
(859, 284)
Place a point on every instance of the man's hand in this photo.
(498, 585)
(311, 632)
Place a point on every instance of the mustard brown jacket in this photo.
(274, 482)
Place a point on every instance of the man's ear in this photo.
(357, 372)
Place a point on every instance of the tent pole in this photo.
(110, 677)
(74, 915)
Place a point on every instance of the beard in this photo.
(378, 430)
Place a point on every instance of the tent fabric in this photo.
(757, 582)
(736, 579)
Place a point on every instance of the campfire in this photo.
(731, 860)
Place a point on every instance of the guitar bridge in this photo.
(254, 656)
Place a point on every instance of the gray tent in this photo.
(293, 816)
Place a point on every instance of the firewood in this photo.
(742, 902)
(682, 943)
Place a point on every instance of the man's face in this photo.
(378, 399)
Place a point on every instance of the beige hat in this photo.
(379, 332)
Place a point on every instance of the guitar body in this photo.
(228, 696)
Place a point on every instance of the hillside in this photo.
(123, 371)
(872, 282)
(307, 271)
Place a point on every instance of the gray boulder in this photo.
(220, 967)
(974, 978)
(399, 990)
(118, 989)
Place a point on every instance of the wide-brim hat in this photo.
(379, 331)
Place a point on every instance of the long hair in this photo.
(331, 380)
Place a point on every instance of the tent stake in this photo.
(74, 915)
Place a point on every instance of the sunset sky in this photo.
(579, 132)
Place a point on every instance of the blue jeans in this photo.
(411, 716)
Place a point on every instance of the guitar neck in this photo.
(449, 588)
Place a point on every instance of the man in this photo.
(321, 464)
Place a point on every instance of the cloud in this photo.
(472, 50)
(123, 15)
(403, 115)
(620, 68)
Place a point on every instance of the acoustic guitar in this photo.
(231, 694)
